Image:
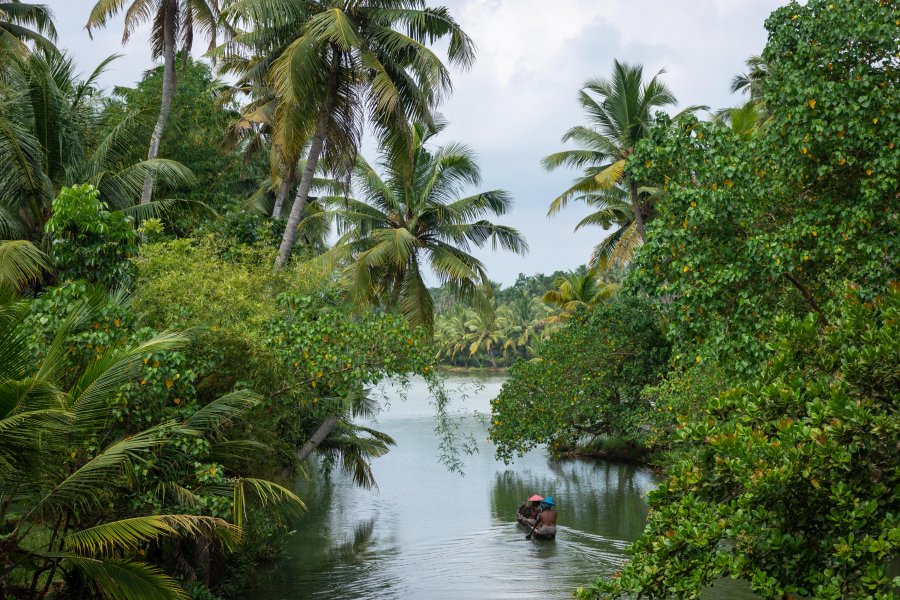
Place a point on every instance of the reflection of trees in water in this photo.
(355, 548)
(594, 496)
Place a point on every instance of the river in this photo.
(431, 534)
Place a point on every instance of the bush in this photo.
(586, 382)
(88, 241)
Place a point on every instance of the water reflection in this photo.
(428, 533)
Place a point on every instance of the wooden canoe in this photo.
(529, 523)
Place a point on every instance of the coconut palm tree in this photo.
(620, 112)
(484, 335)
(334, 64)
(64, 469)
(53, 134)
(417, 217)
(450, 333)
(21, 263)
(522, 323)
(23, 22)
(578, 290)
(171, 19)
(752, 80)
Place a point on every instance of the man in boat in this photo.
(545, 525)
(528, 512)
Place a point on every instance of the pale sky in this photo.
(514, 105)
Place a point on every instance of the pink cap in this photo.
(535, 498)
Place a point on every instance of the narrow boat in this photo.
(529, 523)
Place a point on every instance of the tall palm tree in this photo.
(171, 19)
(53, 133)
(416, 217)
(333, 63)
(23, 22)
(620, 112)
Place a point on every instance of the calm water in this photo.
(428, 533)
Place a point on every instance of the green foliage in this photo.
(772, 259)
(419, 217)
(55, 131)
(794, 485)
(284, 334)
(68, 467)
(88, 241)
(21, 263)
(585, 383)
(790, 213)
(195, 135)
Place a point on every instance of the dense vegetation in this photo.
(769, 263)
(161, 385)
(199, 282)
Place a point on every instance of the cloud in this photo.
(520, 97)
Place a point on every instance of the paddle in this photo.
(536, 521)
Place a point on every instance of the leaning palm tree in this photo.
(414, 218)
(171, 19)
(620, 112)
(23, 22)
(334, 64)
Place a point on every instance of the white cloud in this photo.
(517, 101)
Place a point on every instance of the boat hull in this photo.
(529, 523)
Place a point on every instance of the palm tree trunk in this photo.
(287, 181)
(318, 436)
(168, 90)
(315, 152)
(637, 208)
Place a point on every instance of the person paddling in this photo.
(545, 525)
(528, 512)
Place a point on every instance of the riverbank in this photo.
(454, 370)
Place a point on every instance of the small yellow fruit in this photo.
(812, 103)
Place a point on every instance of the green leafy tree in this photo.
(333, 64)
(791, 213)
(416, 217)
(586, 382)
(791, 482)
(171, 19)
(772, 259)
(53, 133)
(199, 118)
